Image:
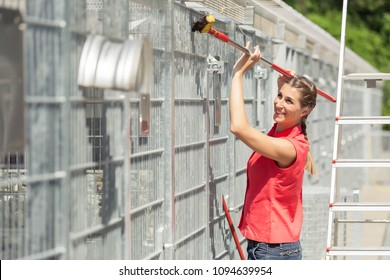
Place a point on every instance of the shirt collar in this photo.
(292, 131)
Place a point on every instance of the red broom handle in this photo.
(288, 74)
(233, 231)
(223, 37)
(219, 35)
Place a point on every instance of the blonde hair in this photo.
(310, 165)
(308, 99)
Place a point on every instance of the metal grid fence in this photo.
(88, 186)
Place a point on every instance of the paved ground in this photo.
(377, 235)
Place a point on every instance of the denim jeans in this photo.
(282, 251)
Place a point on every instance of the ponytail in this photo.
(309, 166)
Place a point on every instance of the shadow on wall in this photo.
(11, 86)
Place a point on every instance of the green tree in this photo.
(368, 31)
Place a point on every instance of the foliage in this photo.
(368, 31)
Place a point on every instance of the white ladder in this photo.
(335, 207)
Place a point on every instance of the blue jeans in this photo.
(281, 251)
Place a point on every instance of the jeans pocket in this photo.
(292, 253)
(257, 252)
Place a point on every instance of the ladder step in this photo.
(343, 251)
(363, 120)
(361, 163)
(367, 76)
(345, 206)
(361, 221)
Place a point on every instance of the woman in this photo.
(272, 214)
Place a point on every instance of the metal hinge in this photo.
(260, 73)
(215, 65)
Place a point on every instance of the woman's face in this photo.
(287, 108)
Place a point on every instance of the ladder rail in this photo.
(338, 113)
(341, 58)
(340, 209)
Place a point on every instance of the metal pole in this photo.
(333, 190)
(232, 229)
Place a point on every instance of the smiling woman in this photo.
(272, 215)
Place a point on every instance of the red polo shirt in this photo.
(272, 210)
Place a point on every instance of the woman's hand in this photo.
(245, 62)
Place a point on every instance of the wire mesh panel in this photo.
(148, 175)
(12, 206)
(12, 140)
(90, 185)
(46, 128)
(81, 133)
(190, 172)
(314, 227)
(98, 150)
(13, 4)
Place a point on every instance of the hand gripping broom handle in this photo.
(233, 231)
(223, 37)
